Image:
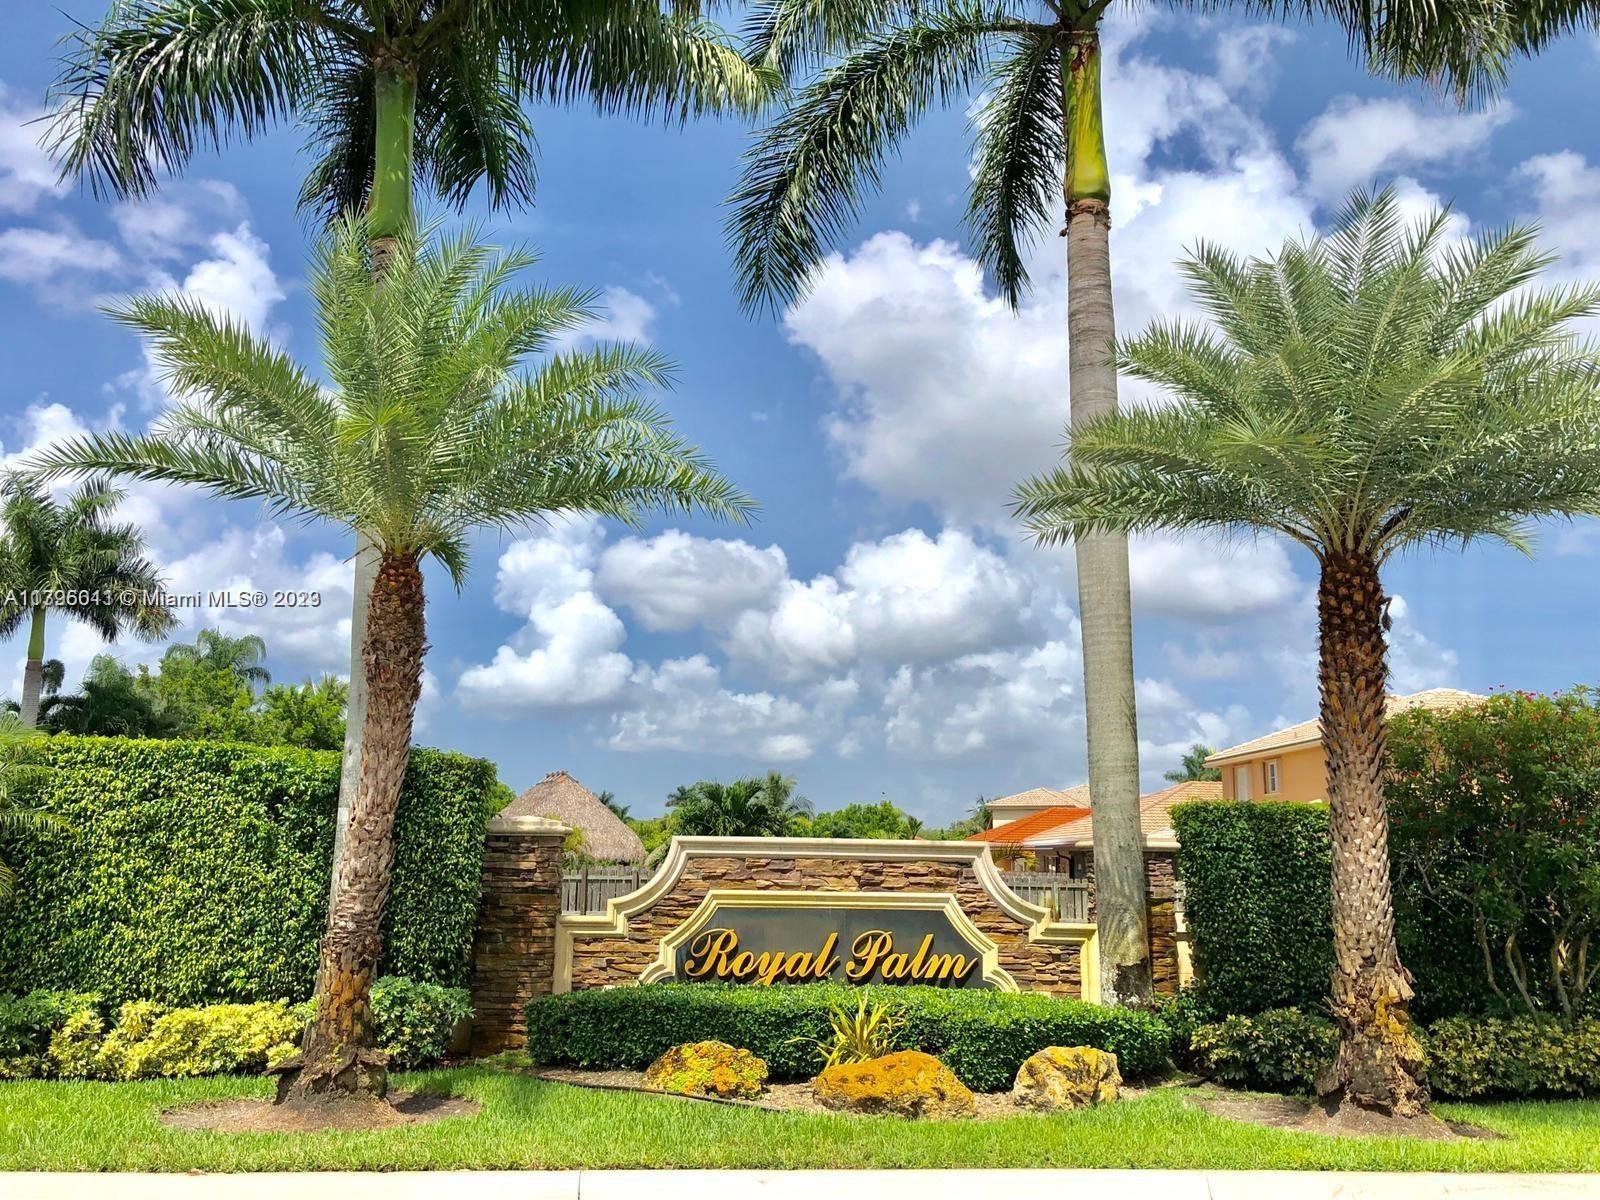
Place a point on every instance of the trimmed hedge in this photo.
(983, 1036)
(1256, 879)
(199, 871)
(1280, 1050)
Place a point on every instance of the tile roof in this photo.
(1155, 821)
(1013, 832)
(1066, 825)
(1043, 797)
(1309, 732)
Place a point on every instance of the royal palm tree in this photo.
(1362, 394)
(432, 425)
(391, 92)
(765, 807)
(1039, 136)
(68, 557)
(240, 656)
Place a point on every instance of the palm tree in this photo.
(1361, 394)
(240, 657)
(390, 93)
(434, 424)
(108, 703)
(609, 799)
(69, 558)
(20, 773)
(1040, 134)
(765, 807)
(1193, 766)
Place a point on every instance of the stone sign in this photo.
(767, 937)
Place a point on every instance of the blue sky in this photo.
(882, 630)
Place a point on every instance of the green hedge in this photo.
(1280, 1050)
(983, 1036)
(1256, 879)
(199, 871)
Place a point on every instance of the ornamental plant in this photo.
(1495, 817)
(436, 422)
(1363, 394)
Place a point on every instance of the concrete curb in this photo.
(796, 1185)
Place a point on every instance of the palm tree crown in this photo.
(1360, 393)
(765, 807)
(159, 80)
(430, 428)
(241, 656)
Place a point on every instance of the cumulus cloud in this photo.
(1355, 141)
(676, 581)
(682, 705)
(1194, 578)
(26, 172)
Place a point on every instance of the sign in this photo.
(771, 937)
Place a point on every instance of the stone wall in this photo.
(1160, 899)
(603, 954)
(513, 955)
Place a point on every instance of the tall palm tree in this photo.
(1040, 135)
(238, 656)
(1362, 394)
(68, 557)
(392, 92)
(434, 424)
(20, 774)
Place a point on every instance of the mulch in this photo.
(1303, 1116)
(263, 1116)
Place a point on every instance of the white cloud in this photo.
(1195, 578)
(1566, 195)
(238, 280)
(676, 581)
(567, 655)
(681, 705)
(1356, 141)
(26, 172)
(1416, 662)
(44, 256)
(625, 316)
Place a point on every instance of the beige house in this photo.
(1060, 836)
(1288, 764)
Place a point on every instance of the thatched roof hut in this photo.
(560, 796)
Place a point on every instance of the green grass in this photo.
(527, 1123)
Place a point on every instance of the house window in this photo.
(1269, 773)
(1241, 783)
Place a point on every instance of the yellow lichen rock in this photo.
(907, 1084)
(1060, 1077)
(707, 1069)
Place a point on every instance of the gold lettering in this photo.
(712, 948)
(826, 962)
(742, 964)
(866, 951)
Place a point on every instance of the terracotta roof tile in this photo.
(1014, 832)
(1309, 732)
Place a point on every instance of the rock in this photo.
(707, 1069)
(907, 1084)
(1061, 1077)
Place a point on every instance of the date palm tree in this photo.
(1362, 394)
(433, 425)
(69, 557)
(1040, 135)
(392, 92)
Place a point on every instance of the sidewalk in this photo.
(799, 1185)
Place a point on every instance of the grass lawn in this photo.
(528, 1123)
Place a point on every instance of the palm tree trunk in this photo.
(1379, 1065)
(33, 670)
(339, 1057)
(389, 213)
(1105, 608)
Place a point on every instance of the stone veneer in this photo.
(607, 959)
(513, 954)
(1160, 869)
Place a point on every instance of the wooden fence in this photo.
(587, 889)
(1068, 898)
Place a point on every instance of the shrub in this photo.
(1519, 1057)
(199, 871)
(983, 1036)
(1280, 1050)
(1256, 879)
(1493, 813)
(64, 1035)
(869, 1030)
(415, 1020)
